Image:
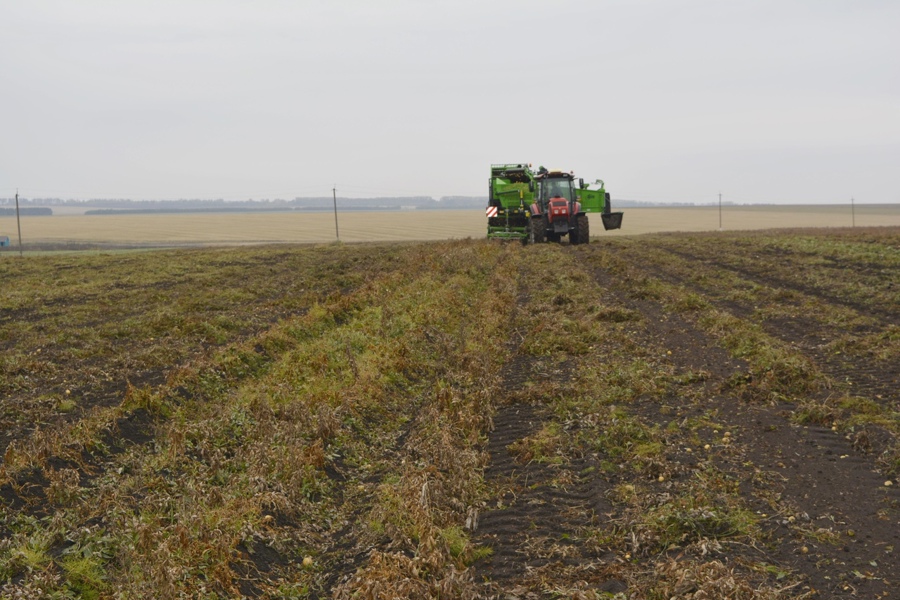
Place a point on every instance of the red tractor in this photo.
(556, 210)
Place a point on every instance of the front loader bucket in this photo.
(611, 220)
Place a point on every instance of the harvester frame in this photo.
(544, 205)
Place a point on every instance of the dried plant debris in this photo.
(669, 416)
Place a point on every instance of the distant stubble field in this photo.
(236, 228)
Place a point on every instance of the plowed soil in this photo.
(828, 512)
(669, 416)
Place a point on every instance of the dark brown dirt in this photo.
(106, 379)
(827, 518)
(817, 473)
(541, 511)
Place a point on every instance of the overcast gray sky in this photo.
(765, 101)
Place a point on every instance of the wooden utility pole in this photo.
(334, 196)
(852, 211)
(19, 224)
(720, 211)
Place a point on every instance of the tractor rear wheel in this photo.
(582, 232)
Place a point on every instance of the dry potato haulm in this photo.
(672, 415)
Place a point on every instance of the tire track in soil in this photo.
(534, 522)
(28, 490)
(767, 279)
(824, 482)
(878, 379)
(342, 551)
(104, 380)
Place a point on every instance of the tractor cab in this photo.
(554, 184)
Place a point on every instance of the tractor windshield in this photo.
(561, 187)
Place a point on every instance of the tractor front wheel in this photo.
(537, 230)
(582, 232)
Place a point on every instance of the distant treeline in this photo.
(166, 209)
(231, 209)
(28, 211)
(40, 206)
(119, 206)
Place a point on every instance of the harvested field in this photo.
(706, 415)
(412, 225)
